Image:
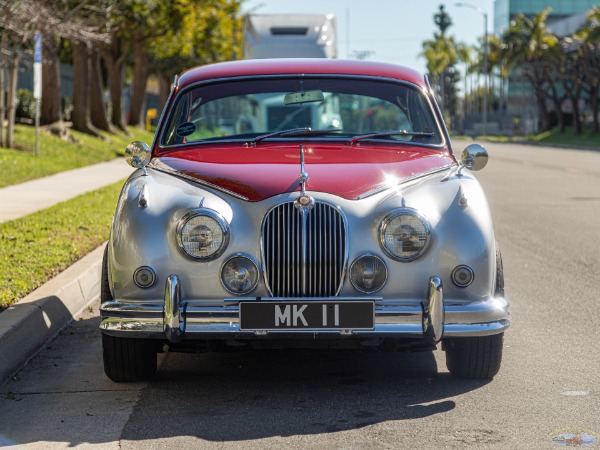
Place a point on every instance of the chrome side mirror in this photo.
(474, 157)
(138, 155)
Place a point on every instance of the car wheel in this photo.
(499, 291)
(474, 357)
(105, 294)
(125, 359)
(477, 357)
(128, 359)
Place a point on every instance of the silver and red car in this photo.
(304, 203)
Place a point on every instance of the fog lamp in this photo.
(463, 276)
(239, 275)
(368, 274)
(144, 277)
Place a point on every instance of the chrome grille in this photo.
(304, 252)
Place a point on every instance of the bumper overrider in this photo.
(430, 319)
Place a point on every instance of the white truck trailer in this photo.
(289, 36)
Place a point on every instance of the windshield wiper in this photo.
(391, 133)
(305, 131)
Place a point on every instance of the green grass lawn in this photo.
(587, 139)
(37, 247)
(57, 155)
(553, 137)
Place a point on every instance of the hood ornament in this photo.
(305, 201)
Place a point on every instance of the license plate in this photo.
(314, 315)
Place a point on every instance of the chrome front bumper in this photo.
(176, 320)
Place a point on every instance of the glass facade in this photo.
(506, 10)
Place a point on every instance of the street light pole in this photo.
(485, 62)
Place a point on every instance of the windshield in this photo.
(348, 107)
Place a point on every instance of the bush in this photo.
(25, 104)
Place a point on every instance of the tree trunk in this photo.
(2, 85)
(50, 111)
(81, 80)
(140, 77)
(13, 76)
(557, 102)
(113, 58)
(532, 74)
(594, 105)
(164, 84)
(96, 91)
(575, 94)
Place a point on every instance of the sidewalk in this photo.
(29, 324)
(22, 199)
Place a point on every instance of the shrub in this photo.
(25, 104)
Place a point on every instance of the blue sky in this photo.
(392, 29)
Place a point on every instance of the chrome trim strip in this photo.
(162, 114)
(475, 329)
(439, 116)
(154, 165)
(405, 180)
(152, 329)
(173, 319)
(433, 314)
(304, 239)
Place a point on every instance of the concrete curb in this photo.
(29, 324)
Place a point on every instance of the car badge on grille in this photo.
(305, 202)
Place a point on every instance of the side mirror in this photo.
(138, 154)
(474, 157)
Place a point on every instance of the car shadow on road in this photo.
(244, 396)
(217, 397)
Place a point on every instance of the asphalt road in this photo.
(546, 207)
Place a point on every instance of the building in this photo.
(507, 10)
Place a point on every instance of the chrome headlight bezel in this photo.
(389, 219)
(216, 217)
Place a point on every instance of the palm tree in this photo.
(441, 55)
(530, 46)
(495, 64)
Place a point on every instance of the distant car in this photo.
(335, 215)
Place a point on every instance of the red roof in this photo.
(299, 66)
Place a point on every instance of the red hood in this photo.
(261, 172)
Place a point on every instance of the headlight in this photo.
(368, 274)
(203, 234)
(404, 234)
(239, 275)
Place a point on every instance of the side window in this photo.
(179, 116)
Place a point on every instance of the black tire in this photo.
(128, 359)
(105, 294)
(125, 359)
(499, 291)
(478, 357)
(474, 357)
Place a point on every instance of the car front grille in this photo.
(304, 252)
